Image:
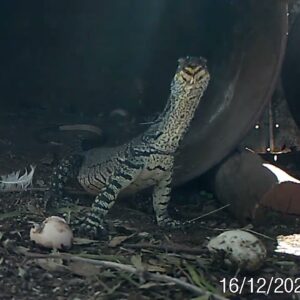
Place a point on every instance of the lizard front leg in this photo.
(120, 179)
(68, 168)
(161, 199)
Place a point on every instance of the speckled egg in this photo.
(238, 249)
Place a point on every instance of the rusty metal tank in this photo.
(94, 56)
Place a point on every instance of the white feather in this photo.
(15, 182)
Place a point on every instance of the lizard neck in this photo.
(175, 119)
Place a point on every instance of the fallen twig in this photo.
(128, 268)
(259, 234)
(205, 215)
(164, 247)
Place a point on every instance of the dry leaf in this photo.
(152, 268)
(51, 264)
(83, 241)
(150, 285)
(136, 260)
(83, 269)
(118, 240)
(21, 272)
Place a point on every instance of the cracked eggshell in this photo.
(53, 233)
(239, 249)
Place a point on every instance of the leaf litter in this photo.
(134, 242)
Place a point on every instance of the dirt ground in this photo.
(134, 239)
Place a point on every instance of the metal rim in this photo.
(242, 86)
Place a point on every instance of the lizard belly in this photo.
(152, 173)
(92, 184)
(94, 176)
(144, 180)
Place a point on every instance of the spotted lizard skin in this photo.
(145, 161)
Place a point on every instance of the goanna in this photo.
(145, 161)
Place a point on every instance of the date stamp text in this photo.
(273, 285)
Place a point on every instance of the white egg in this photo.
(239, 249)
(53, 233)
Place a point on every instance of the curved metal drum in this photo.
(243, 83)
(291, 70)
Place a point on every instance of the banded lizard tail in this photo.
(145, 161)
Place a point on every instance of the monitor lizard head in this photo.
(188, 85)
(191, 73)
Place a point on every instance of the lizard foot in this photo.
(92, 230)
(170, 223)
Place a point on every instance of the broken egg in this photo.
(238, 249)
(53, 233)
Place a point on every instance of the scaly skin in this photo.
(145, 161)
